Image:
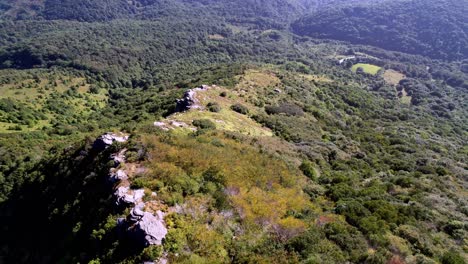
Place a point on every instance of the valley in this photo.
(154, 131)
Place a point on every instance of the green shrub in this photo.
(138, 183)
(152, 252)
(452, 257)
(308, 169)
(213, 107)
(240, 109)
(341, 191)
(93, 89)
(348, 238)
(287, 109)
(175, 240)
(204, 124)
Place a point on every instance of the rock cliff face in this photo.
(144, 227)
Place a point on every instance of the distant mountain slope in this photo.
(280, 11)
(21, 9)
(87, 10)
(438, 29)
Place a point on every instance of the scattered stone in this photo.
(178, 124)
(161, 125)
(104, 141)
(277, 90)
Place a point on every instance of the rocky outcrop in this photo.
(116, 176)
(104, 141)
(190, 100)
(119, 157)
(143, 226)
(148, 228)
(126, 196)
(172, 124)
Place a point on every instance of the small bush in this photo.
(213, 107)
(308, 169)
(204, 124)
(452, 257)
(94, 89)
(240, 109)
(16, 128)
(287, 109)
(152, 252)
(138, 183)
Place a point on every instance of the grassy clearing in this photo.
(405, 98)
(216, 37)
(257, 79)
(393, 77)
(225, 119)
(368, 68)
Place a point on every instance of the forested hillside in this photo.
(437, 29)
(208, 132)
(277, 12)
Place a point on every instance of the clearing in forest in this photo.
(367, 68)
(393, 77)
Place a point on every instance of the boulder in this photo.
(147, 228)
(125, 196)
(104, 141)
(190, 100)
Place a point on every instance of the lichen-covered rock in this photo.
(108, 139)
(149, 229)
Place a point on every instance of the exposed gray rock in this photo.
(162, 126)
(117, 176)
(108, 139)
(125, 196)
(145, 227)
(119, 157)
(190, 100)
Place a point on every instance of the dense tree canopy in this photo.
(437, 29)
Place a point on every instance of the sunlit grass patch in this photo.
(367, 68)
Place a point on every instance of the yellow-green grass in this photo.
(226, 119)
(216, 37)
(7, 127)
(368, 68)
(405, 98)
(393, 77)
(257, 79)
(34, 93)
